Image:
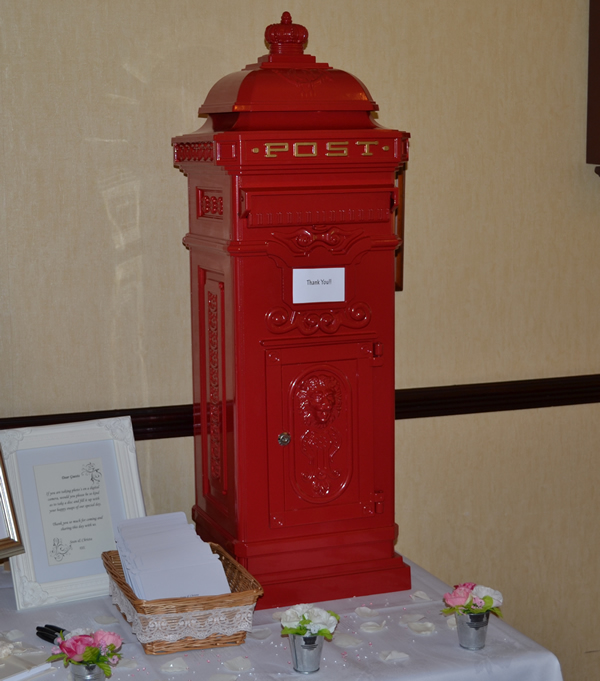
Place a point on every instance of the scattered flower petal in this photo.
(425, 628)
(372, 627)
(106, 619)
(392, 656)
(365, 612)
(174, 666)
(238, 664)
(347, 641)
(420, 595)
(14, 635)
(413, 617)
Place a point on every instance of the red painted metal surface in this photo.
(292, 186)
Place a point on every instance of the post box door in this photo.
(319, 398)
(213, 392)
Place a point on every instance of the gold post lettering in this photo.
(274, 148)
(367, 147)
(336, 149)
(299, 154)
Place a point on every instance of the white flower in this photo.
(320, 619)
(78, 632)
(6, 649)
(481, 591)
(291, 618)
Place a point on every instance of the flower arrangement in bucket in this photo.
(307, 626)
(92, 654)
(472, 604)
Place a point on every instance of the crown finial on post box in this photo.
(286, 38)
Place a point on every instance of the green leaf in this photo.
(325, 633)
(105, 668)
(300, 630)
(91, 655)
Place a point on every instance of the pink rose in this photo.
(75, 647)
(460, 596)
(467, 585)
(102, 639)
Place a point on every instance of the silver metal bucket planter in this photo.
(472, 630)
(306, 652)
(82, 672)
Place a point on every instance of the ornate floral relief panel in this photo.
(215, 424)
(322, 454)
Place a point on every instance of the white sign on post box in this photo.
(320, 285)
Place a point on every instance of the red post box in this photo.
(292, 196)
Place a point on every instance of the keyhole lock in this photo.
(284, 439)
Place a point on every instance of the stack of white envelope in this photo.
(163, 557)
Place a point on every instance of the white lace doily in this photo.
(171, 627)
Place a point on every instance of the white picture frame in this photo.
(71, 485)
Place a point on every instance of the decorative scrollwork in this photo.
(120, 429)
(214, 407)
(333, 238)
(283, 319)
(193, 151)
(10, 440)
(32, 594)
(306, 78)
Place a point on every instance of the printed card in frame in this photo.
(71, 486)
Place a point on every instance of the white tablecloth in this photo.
(507, 656)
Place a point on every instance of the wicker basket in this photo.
(178, 624)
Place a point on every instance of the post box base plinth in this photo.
(338, 581)
(365, 565)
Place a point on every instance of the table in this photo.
(508, 655)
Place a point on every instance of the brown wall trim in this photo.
(477, 398)
(149, 423)
(152, 423)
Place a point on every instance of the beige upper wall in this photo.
(502, 212)
(502, 225)
(502, 236)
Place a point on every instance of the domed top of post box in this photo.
(288, 89)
